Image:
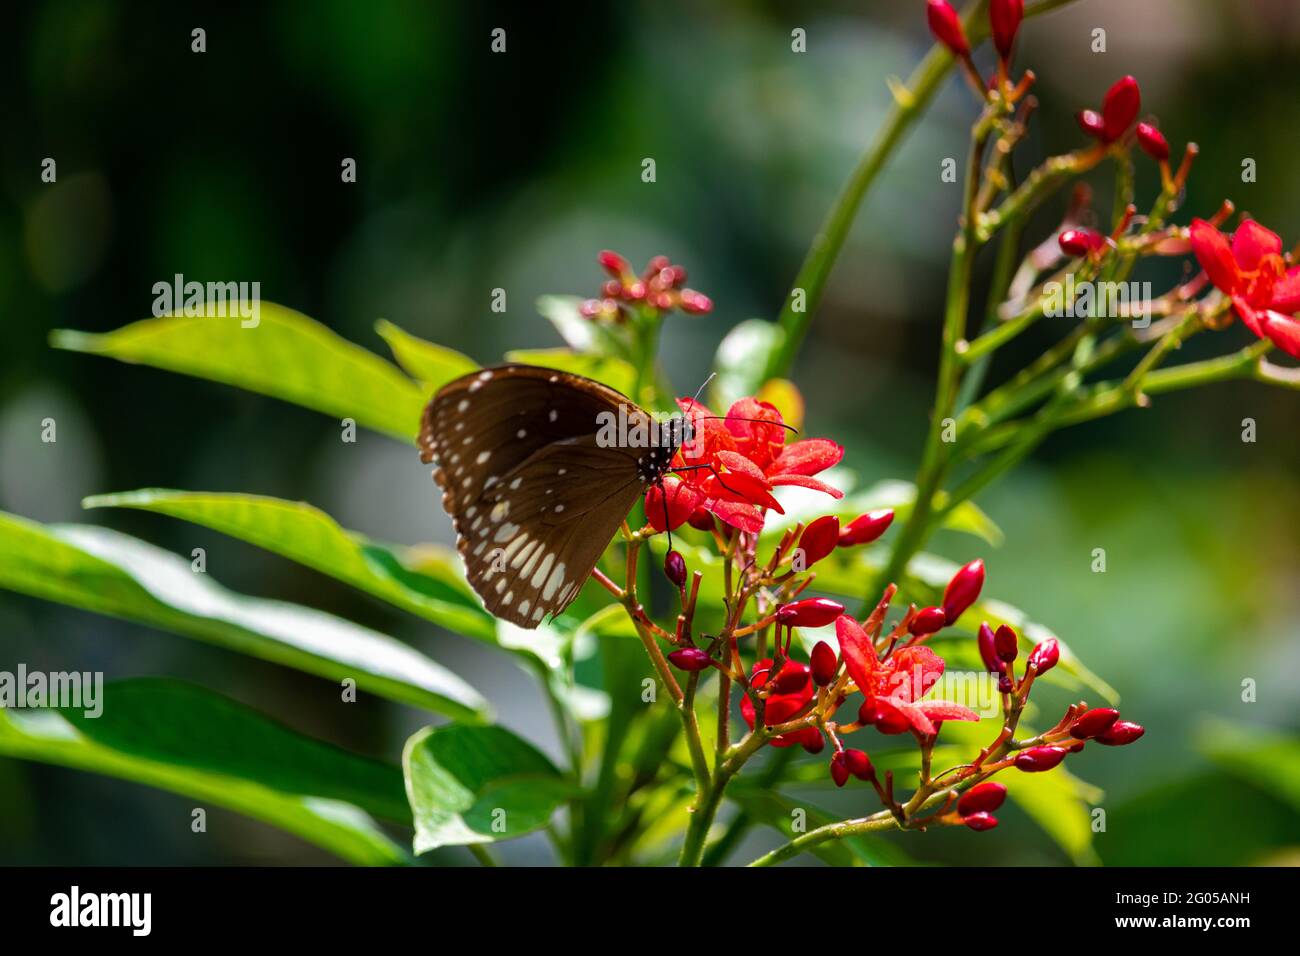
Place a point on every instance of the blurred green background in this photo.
(479, 171)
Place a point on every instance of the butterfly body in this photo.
(535, 480)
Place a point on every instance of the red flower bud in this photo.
(987, 641)
(792, 678)
(824, 664)
(613, 263)
(962, 590)
(1090, 122)
(1080, 242)
(689, 659)
(981, 798)
(1045, 655)
(696, 303)
(1004, 18)
(1120, 733)
(928, 620)
(1153, 142)
(811, 740)
(819, 539)
(866, 528)
(839, 769)
(946, 26)
(859, 764)
(891, 723)
(656, 265)
(1004, 684)
(1074, 746)
(700, 519)
(1120, 108)
(1038, 759)
(810, 612)
(675, 568)
(979, 822)
(1094, 722)
(1006, 643)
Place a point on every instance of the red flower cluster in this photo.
(1253, 272)
(659, 286)
(732, 464)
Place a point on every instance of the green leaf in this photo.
(432, 365)
(741, 360)
(191, 741)
(477, 785)
(580, 334)
(286, 355)
(607, 369)
(1261, 756)
(111, 573)
(307, 535)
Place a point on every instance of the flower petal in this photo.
(1286, 292)
(738, 514)
(946, 710)
(675, 501)
(1215, 256)
(1284, 332)
(911, 712)
(914, 671)
(807, 457)
(747, 421)
(1252, 242)
(803, 481)
(858, 652)
(1252, 319)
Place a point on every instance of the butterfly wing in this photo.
(533, 497)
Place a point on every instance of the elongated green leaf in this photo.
(286, 355)
(111, 573)
(309, 536)
(609, 370)
(432, 365)
(1261, 756)
(191, 741)
(477, 785)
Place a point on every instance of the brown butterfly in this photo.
(534, 484)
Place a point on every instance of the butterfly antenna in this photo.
(703, 385)
(757, 421)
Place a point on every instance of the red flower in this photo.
(783, 705)
(1118, 111)
(897, 684)
(1253, 273)
(733, 464)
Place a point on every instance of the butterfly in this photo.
(536, 481)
